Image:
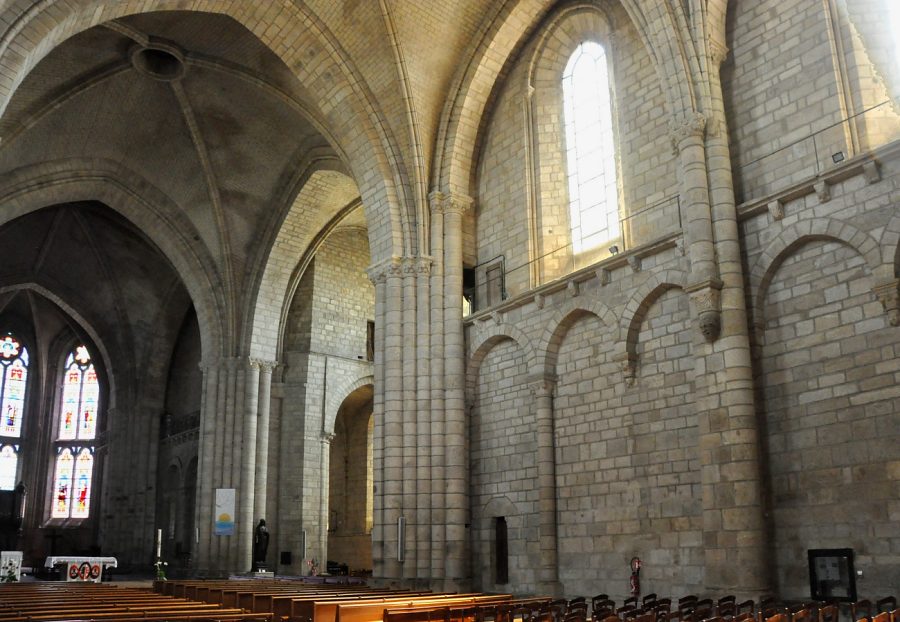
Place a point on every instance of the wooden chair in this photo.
(602, 607)
(861, 609)
(829, 613)
(726, 606)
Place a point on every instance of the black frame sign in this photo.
(831, 575)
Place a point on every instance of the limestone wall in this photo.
(634, 404)
(522, 207)
(324, 362)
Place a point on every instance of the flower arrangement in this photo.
(9, 573)
(313, 566)
(161, 569)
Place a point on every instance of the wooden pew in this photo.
(369, 611)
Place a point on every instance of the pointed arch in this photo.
(662, 28)
(35, 187)
(312, 53)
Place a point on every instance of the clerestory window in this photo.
(590, 148)
(74, 468)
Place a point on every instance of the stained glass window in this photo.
(14, 366)
(80, 394)
(74, 471)
(9, 463)
(590, 148)
(62, 484)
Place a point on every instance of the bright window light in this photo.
(590, 148)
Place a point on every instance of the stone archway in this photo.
(351, 483)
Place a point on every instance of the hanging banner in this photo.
(224, 512)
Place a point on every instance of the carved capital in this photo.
(326, 438)
(692, 127)
(423, 265)
(377, 273)
(543, 386)
(889, 296)
(409, 265)
(628, 364)
(436, 201)
(706, 298)
(458, 203)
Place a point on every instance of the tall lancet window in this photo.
(73, 475)
(590, 148)
(13, 383)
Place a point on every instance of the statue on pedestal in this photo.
(260, 546)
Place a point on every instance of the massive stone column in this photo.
(248, 466)
(456, 571)
(410, 421)
(733, 515)
(261, 476)
(436, 359)
(423, 418)
(227, 459)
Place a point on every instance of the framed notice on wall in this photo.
(223, 516)
(831, 574)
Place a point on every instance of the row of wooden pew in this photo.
(87, 602)
(298, 602)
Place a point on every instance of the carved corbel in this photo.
(604, 275)
(871, 172)
(574, 288)
(776, 209)
(635, 262)
(628, 364)
(706, 297)
(539, 301)
(823, 191)
(889, 296)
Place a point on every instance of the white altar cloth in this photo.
(82, 568)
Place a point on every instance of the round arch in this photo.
(635, 311)
(339, 394)
(485, 342)
(548, 345)
(799, 234)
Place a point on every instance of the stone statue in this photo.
(260, 546)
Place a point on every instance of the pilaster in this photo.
(542, 390)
